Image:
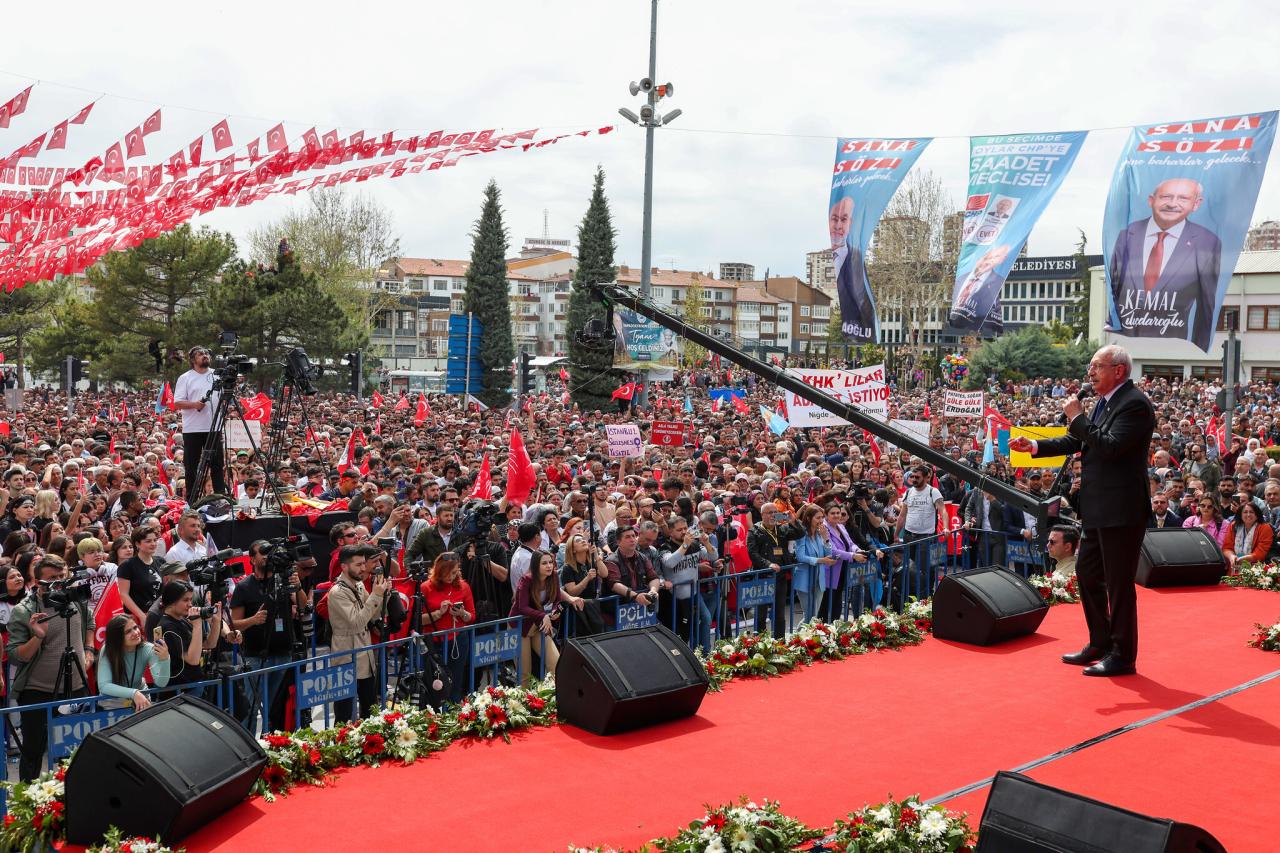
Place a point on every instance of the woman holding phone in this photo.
(539, 599)
(125, 658)
(450, 604)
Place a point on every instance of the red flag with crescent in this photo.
(221, 135)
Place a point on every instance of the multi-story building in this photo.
(897, 239)
(1252, 303)
(810, 313)
(1264, 237)
(820, 270)
(670, 288)
(737, 271)
(760, 320)
(1039, 290)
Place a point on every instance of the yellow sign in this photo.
(1024, 460)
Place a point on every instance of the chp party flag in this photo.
(484, 482)
(520, 475)
(1179, 208)
(1011, 181)
(866, 174)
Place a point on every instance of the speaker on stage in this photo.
(610, 683)
(1180, 556)
(986, 606)
(162, 772)
(1025, 816)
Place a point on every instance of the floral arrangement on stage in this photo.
(1267, 637)
(900, 826)
(894, 826)
(1255, 576)
(498, 711)
(115, 841)
(37, 812)
(762, 655)
(1056, 588)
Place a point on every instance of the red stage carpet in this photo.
(926, 720)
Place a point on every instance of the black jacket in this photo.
(1114, 490)
(762, 546)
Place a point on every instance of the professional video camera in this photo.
(300, 372)
(64, 594)
(213, 570)
(284, 552)
(229, 366)
(475, 519)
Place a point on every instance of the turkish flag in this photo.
(349, 453)
(178, 166)
(221, 135)
(484, 482)
(402, 405)
(110, 605)
(193, 150)
(520, 476)
(257, 408)
(19, 103)
(376, 400)
(276, 139)
(166, 397)
(113, 160)
(152, 124)
(564, 375)
(625, 392)
(58, 139)
(311, 139)
(83, 115)
(420, 415)
(162, 478)
(739, 405)
(330, 139)
(133, 143)
(875, 448)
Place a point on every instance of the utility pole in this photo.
(649, 119)
(1230, 375)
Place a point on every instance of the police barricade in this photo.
(726, 604)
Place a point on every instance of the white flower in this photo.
(884, 835)
(406, 737)
(516, 709)
(883, 814)
(932, 824)
(715, 845)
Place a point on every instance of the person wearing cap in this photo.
(196, 401)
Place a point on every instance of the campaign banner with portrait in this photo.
(867, 172)
(641, 344)
(1011, 181)
(1177, 215)
(863, 387)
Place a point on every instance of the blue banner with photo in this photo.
(1177, 216)
(866, 175)
(1011, 181)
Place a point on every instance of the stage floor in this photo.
(928, 720)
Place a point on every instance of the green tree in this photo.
(1078, 318)
(72, 331)
(23, 313)
(486, 296)
(694, 299)
(591, 384)
(1028, 353)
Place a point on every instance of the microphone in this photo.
(1086, 390)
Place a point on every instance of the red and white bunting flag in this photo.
(152, 124)
(221, 135)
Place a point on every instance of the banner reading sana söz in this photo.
(1011, 180)
(867, 172)
(1177, 215)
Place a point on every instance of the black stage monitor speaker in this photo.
(162, 773)
(610, 683)
(986, 606)
(1180, 556)
(1024, 816)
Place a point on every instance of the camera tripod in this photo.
(227, 403)
(275, 442)
(70, 661)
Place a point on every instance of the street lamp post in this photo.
(649, 119)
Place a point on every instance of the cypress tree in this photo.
(486, 296)
(591, 381)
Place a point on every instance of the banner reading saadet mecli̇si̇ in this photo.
(1177, 216)
(866, 174)
(1011, 180)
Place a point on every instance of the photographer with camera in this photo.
(195, 399)
(188, 630)
(264, 606)
(52, 618)
(351, 610)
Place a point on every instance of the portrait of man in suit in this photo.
(975, 304)
(1164, 269)
(857, 310)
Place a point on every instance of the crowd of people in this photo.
(103, 492)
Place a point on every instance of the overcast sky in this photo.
(743, 175)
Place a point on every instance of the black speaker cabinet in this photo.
(1180, 556)
(986, 606)
(162, 773)
(610, 683)
(1025, 816)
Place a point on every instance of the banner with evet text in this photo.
(867, 172)
(1177, 215)
(863, 387)
(1011, 181)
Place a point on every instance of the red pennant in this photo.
(276, 140)
(133, 143)
(83, 115)
(58, 138)
(152, 124)
(194, 149)
(221, 135)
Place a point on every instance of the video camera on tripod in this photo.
(229, 366)
(213, 569)
(63, 595)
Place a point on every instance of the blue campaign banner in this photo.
(1177, 216)
(328, 682)
(866, 174)
(66, 733)
(755, 592)
(636, 616)
(1011, 181)
(490, 649)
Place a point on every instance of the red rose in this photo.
(277, 741)
(373, 744)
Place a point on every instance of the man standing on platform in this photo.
(1114, 503)
(194, 397)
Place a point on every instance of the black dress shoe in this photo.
(1109, 666)
(1085, 656)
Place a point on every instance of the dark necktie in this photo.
(1096, 417)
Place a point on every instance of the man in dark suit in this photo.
(976, 302)
(1164, 270)
(1115, 505)
(857, 309)
(1161, 515)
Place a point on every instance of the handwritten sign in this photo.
(624, 440)
(962, 404)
